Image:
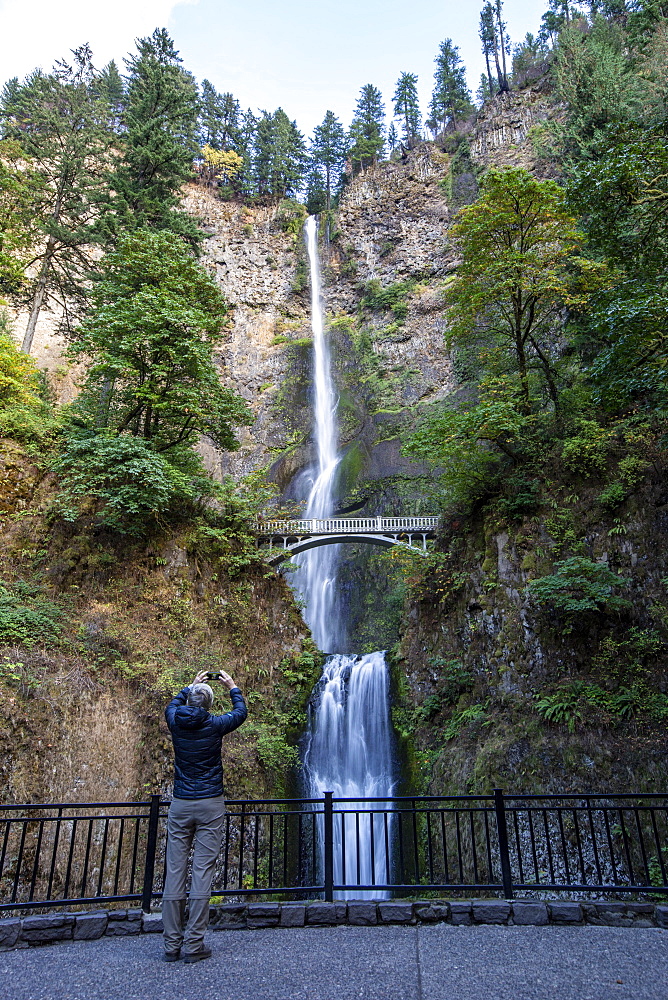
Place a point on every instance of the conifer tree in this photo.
(487, 36)
(366, 131)
(21, 190)
(280, 158)
(495, 41)
(110, 88)
(451, 98)
(483, 93)
(407, 108)
(218, 119)
(159, 146)
(62, 127)
(244, 183)
(504, 41)
(329, 149)
(392, 137)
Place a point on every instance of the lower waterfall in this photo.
(349, 752)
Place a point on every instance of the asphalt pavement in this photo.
(438, 962)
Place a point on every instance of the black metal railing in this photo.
(79, 853)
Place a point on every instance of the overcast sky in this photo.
(304, 56)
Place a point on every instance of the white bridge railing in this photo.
(348, 525)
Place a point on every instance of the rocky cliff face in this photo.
(390, 229)
(501, 136)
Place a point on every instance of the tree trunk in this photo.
(503, 56)
(38, 297)
(489, 74)
(499, 74)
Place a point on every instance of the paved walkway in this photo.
(439, 962)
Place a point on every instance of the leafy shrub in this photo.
(564, 706)
(26, 620)
(632, 469)
(25, 414)
(522, 497)
(129, 483)
(19, 378)
(274, 753)
(586, 451)
(392, 298)
(579, 586)
(291, 216)
(464, 718)
(612, 496)
(573, 701)
(455, 679)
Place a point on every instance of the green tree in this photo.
(329, 149)
(529, 60)
(487, 35)
(63, 130)
(473, 442)
(219, 119)
(110, 88)
(520, 266)
(483, 93)
(407, 107)
(159, 142)
(148, 340)
(622, 197)
(595, 81)
(366, 131)
(451, 98)
(392, 137)
(21, 191)
(494, 42)
(280, 159)
(316, 194)
(503, 41)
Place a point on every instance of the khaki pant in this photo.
(198, 821)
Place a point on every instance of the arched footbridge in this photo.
(284, 539)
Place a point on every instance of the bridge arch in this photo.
(277, 556)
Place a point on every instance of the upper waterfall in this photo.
(315, 578)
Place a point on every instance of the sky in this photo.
(306, 56)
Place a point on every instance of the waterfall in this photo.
(349, 752)
(315, 579)
(348, 746)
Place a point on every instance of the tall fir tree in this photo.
(111, 89)
(407, 107)
(366, 131)
(487, 35)
(504, 41)
(62, 127)
(451, 99)
(280, 159)
(219, 119)
(329, 149)
(159, 141)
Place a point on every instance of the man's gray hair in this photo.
(200, 696)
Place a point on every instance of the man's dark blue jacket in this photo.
(197, 736)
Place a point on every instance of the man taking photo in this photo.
(197, 810)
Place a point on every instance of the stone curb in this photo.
(30, 931)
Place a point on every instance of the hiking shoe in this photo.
(197, 956)
(172, 956)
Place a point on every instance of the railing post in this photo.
(151, 845)
(328, 816)
(502, 832)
